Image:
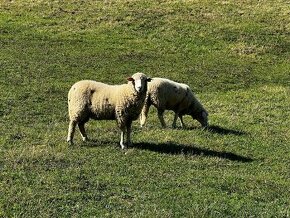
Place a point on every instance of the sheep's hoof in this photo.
(70, 142)
(85, 139)
(123, 146)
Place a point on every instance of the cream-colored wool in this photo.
(166, 94)
(89, 99)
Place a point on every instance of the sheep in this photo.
(166, 94)
(123, 103)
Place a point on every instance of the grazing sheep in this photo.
(123, 103)
(165, 94)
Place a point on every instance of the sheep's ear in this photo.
(130, 79)
(149, 79)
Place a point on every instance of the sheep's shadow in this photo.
(175, 149)
(225, 131)
(220, 130)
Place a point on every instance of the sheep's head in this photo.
(202, 117)
(139, 80)
(196, 110)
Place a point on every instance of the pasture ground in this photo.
(233, 54)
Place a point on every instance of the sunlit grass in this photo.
(234, 55)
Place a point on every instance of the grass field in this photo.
(235, 55)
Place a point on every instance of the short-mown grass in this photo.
(233, 54)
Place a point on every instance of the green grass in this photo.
(234, 55)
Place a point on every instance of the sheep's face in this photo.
(139, 80)
(201, 117)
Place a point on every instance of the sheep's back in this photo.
(165, 93)
(92, 99)
(101, 101)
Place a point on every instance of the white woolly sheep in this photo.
(123, 103)
(166, 94)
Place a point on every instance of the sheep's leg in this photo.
(129, 143)
(123, 131)
(174, 120)
(181, 121)
(83, 131)
(71, 131)
(144, 113)
(160, 116)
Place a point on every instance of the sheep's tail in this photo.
(144, 112)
